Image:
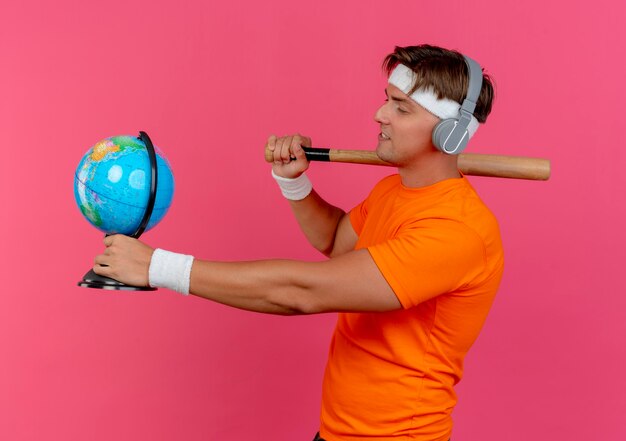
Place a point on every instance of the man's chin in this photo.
(383, 153)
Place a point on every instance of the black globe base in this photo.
(93, 280)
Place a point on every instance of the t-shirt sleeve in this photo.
(359, 213)
(430, 258)
(357, 217)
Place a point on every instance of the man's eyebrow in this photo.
(398, 98)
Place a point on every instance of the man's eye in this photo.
(401, 110)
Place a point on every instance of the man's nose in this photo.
(381, 115)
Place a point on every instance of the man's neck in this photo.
(429, 170)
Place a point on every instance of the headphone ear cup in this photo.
(441, 132)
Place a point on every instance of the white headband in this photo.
(403, 78)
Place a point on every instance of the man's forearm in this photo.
(318, 220)
(261, 286)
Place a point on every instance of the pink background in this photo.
(209, 81)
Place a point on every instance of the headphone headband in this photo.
(475, 83)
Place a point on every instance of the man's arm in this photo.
(349, 282)
(326, 227)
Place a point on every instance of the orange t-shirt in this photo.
(390, 376)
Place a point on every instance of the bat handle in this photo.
(334, 155)
(317, 154)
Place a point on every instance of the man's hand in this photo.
(289, 158)
(125, 259)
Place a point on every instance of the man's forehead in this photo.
(397, 95)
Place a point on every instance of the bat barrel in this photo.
(514, 167)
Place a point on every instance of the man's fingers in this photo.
(278, 143)
(102, 270)
(271, 143)
(288, 150)
(101, 260)
(110, 240)
(285, 153)
(298, 152)
(296, 141)
(281, 154)
(296, 148)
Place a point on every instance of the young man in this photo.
(412, 270)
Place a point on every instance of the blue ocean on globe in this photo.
(112, 185)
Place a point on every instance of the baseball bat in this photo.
(474, 164)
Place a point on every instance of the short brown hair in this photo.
(444, 71)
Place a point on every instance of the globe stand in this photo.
(93, 280)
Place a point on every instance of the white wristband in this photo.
(170, 270)
(294, 189)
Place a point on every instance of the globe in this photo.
(112, 185)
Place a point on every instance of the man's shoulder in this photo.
(461, 208)
(390, 181)
(384, 186)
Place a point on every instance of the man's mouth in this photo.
(383, 136)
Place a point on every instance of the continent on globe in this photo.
(112, 185)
